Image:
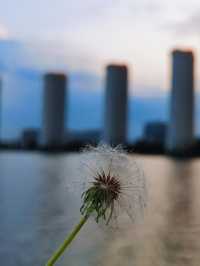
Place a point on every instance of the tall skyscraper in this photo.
(53, 127)
(115, 117)
(180, 135)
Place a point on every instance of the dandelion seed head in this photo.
(114, 183)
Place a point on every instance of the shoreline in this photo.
(138, 147)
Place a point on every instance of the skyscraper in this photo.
(115, 117)
(181, 125)
(53, 127)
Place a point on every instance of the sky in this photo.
(87, 35)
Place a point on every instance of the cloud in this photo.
(63, 15)
(183, 20)
(189, 26)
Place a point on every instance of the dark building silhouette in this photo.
(115, 116)
(155, 132)
(53, 127)
(180, 135)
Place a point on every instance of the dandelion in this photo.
(114, 183)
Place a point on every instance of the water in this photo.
(39, 205)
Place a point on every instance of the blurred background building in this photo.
(54, 110)
(181, 124)
(116, 99)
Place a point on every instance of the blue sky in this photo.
(86, 35)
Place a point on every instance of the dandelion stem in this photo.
(67, 242)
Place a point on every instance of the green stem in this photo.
(67, 242)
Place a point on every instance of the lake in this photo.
(40, 201)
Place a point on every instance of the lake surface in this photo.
(39, 204)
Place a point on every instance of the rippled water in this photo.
(38, 209)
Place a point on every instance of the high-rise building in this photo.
(180, 134)
(115, 117)
(53, 127)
